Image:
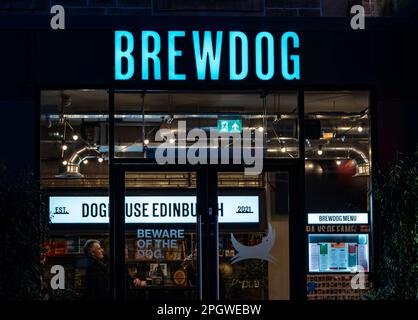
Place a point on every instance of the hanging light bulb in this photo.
(338, 162)
(309, 165)
(146, 141)
(75, 137)
(85, 161)
(65, 162)
(100, 159)
(64, 147)
(320, 151)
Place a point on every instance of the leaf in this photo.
(395, 194)
(22, 225)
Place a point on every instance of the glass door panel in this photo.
(254, 250)
(160, 236)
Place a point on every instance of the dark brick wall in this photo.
(22, 6)
(293, 8)
(301, 8)
(211, 5)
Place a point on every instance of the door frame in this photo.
(207, 227)
(207, 291)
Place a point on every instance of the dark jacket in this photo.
(191, 275)
(97, 281)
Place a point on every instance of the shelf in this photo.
(168, 287)
(66, 255)
(153, 261)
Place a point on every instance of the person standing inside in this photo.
(97, 276)
(189, 264)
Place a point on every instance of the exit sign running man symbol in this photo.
(229, 126)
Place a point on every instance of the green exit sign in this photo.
(229, 126)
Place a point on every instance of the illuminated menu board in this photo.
(338, 252)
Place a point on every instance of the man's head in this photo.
(92, 249)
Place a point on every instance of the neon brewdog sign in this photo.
(206, 55)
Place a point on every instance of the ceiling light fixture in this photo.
(320, 152)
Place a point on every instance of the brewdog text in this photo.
(180, 55)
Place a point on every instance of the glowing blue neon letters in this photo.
(233, 36)
(127, 54)
(208, 54)
(147, 55)
(172, 54)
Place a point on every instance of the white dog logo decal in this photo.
(259, 251)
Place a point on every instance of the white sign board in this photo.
(338, 218)
(151, 209)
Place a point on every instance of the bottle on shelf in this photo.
(158, 276)
(149, 278)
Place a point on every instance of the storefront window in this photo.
(74, 174)
(141, 115)
(337, 166)
(337, 151)
(160, 207)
